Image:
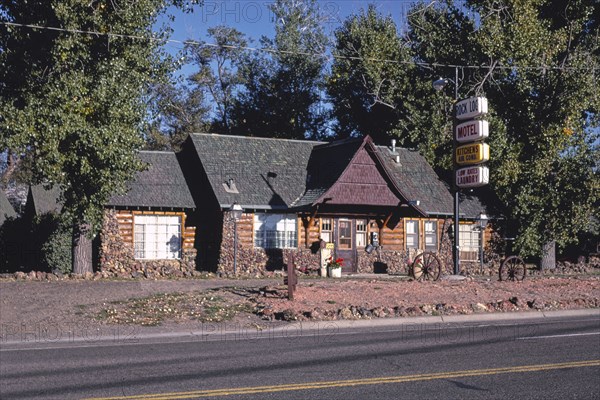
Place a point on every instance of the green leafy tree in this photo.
(218, 73)
(540, 83)
(282, 89)
(74, 102)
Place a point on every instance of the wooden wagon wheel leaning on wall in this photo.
(512, 269)
(426, 267)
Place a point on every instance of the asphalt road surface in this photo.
(550, 358)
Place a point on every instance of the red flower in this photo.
(337, 263)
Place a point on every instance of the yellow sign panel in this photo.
(474, 153)
(329, 246)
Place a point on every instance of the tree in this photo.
(74, 102)
(540, 82)
(368, 75)
(218, 72)
(282, 90)
(178, 111)
(376, 88)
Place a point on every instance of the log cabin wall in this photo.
(393, 257)
(117, 249)
(310, 227)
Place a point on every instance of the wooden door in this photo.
(345, 246)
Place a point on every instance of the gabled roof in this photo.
(6, 209)
(43, 200)
(257, 173)
(161, 185)
(417, 180)
(354, 174)
(326, 164)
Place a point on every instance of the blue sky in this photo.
(253, 18)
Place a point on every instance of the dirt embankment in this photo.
(188, 303)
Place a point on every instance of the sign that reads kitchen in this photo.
(471, 108)
(472, 131)
(471, 177)
(474, 153)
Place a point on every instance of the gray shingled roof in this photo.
(279, 174)
(44, 200)
(417, 180)
(162, 184)
(6, 209)
(471, 207)
(266, 173)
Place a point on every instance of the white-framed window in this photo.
(361, 233)
(275, 231)
(431, 236)
(469, 242)
(412, 234)
(327, 229)
(157, 237)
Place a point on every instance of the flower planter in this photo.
(334, 272)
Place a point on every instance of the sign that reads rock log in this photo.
(474, 153)
(471, 177)
(472, 131)
(471, 108)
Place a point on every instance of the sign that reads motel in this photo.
(472, 131)
(474, 153)
(471, 108)
(471, 177)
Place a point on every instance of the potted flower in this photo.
(334, 267)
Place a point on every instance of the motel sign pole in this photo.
(439, 85)
(455, 186)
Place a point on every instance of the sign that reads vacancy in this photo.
(471, 177)
(472, 154)
(472, 131)
(471, 108)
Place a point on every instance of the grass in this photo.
(155, 309)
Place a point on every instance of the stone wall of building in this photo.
(116, 253)
(250, 260)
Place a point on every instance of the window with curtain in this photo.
(275, 231)
(431, 236)
(327, 229)
(469, 242)
(412, 234)
(361, 233)
(157, 237)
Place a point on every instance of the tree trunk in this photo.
(549, 256)
(82, 250)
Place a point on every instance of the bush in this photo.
(56, 249)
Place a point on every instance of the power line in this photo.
(287, 52)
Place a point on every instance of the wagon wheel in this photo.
(427, 266)
(512, 269)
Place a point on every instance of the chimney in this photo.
(397, 158)
(393, 145)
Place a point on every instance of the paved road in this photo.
(550, 358)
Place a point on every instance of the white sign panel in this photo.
(472, 131)
(471, 108)
(471, 177)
